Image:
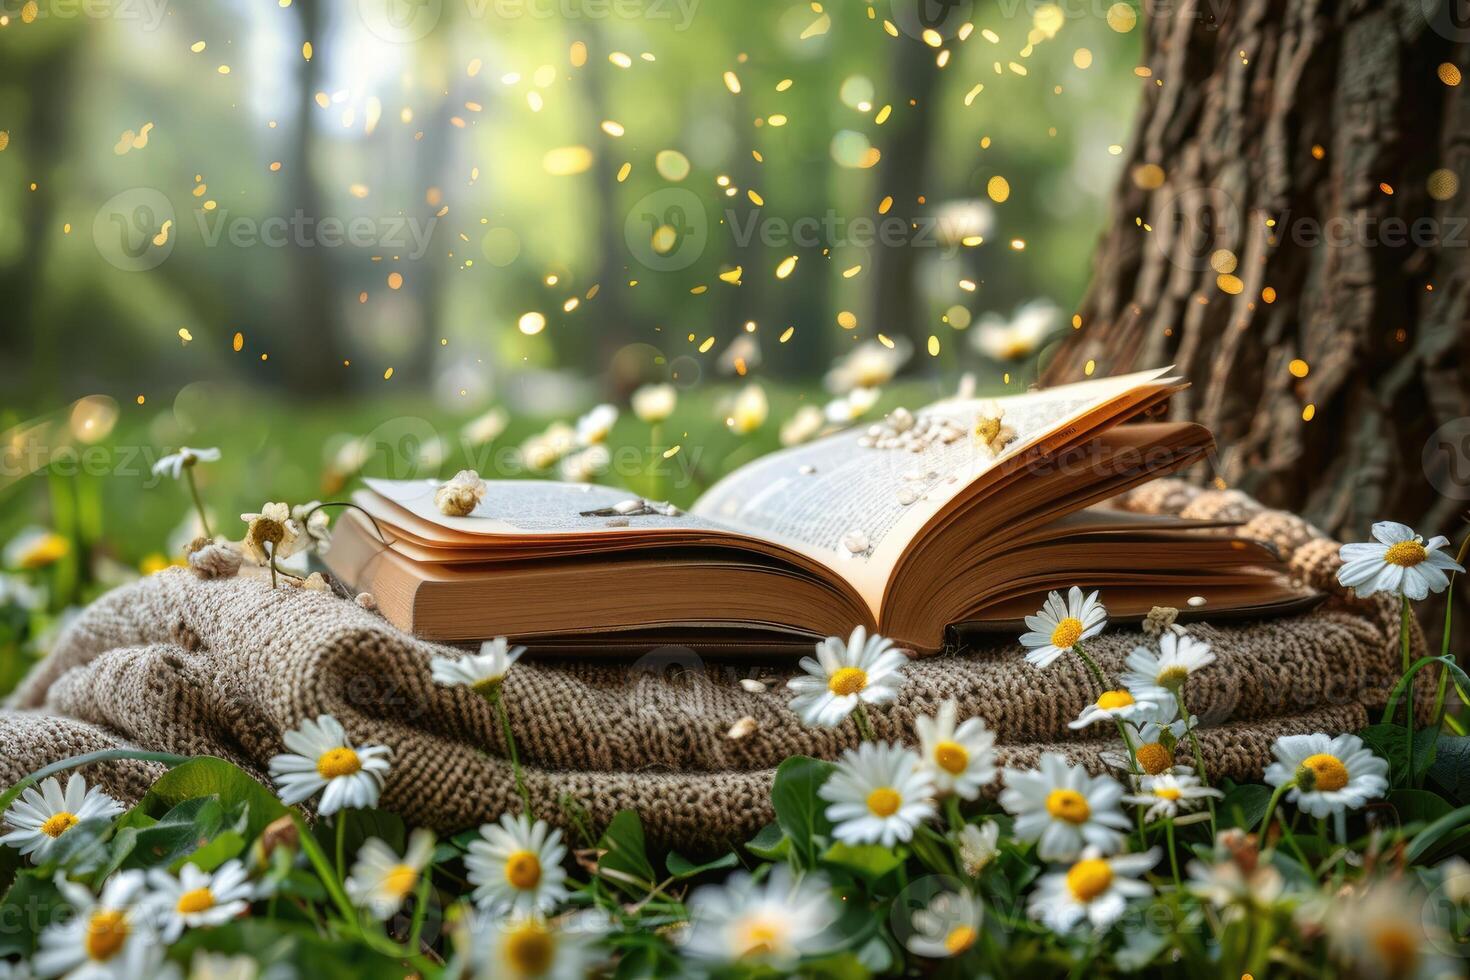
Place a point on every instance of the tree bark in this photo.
(1290, 232)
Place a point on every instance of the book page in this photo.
(854, 504)
(532, 508)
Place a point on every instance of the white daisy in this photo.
(381, 880)
(977, 846)
(1389, 930)
(1397, 561)
(1158, 677)
(1331, 774)
(1059, 626)
(42, 814)
(1169, 795)
(35, 547)
(868, 669)
(947, 926)
(586, 465)
(1008, 340)
(485, 428)
(1096, 889)
(107, 939)
(774, 922)
(197, 899)
(323, 759)
(868, 365)
(1153, 736)
(1238, 876)
(654, 403)
(525, 947)
(879, 794)
(594, 427)
(803, 425)
(272, 526)
(483, 672)
(1110, 705)
(515, 866)
(174, 464)
(960, 760)
(1062, 808)
(749, 410)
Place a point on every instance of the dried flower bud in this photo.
(741, 728)
(1159, 619)
(461, 495)
(367, 601)
(279, 833)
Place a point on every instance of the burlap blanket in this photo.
(223, 667)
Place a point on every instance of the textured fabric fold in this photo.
(224, 667)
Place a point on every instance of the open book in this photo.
(917, 525)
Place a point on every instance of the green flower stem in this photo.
(1437, 717)
(1404, 614)
(655, 436)
(510, 748)
(860, 718)
(952, 808)
(1133, 770)
(1199, 756)
(324, 870)
(198, 501)
(1097, 674)
(1271, 806)
(1173, 856)
(420, 907)
(341, 827)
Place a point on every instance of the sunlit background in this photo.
(404, 237)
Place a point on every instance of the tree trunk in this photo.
(1290, 232)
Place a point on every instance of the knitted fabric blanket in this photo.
(224, 667)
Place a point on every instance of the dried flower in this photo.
(215, 561)
(461, 495)
(990, 431)
(1159, 619)
(272, 526)
(315, 520)
(741, 728)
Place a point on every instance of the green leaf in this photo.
(226, 845)
(799, 810)
(1418, 805)
(1244, 805)
(626, 855)
(869, 862)
(1451, 767)
(771, 843)
(681, 867)
(1435, 832)
(208, 776)
(175, 836)
(1399, 689)
(26, 910)
(76, 761)
(292, 949)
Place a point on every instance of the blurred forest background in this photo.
(305, 232)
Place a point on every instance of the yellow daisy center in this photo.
(1113, 700)
(523, 870)
(58, 824)
(1068, 805)
(47, 549)
(1153, 758)
(488, 687)
(530, 950)
(848, 680)
(884, 801)
(1172, 677)
(759, 937)
(1167, 792)
(951, 757)
(107, 931)
(198, 900)
(1323, 772)
(1398, 949)
(338, 762)
(1405, 554)
(399, 880)
(1067, 633)
(1088, 879)
(960, 938)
